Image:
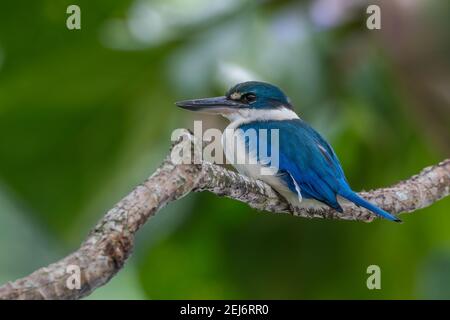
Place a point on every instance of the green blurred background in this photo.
(86, 115)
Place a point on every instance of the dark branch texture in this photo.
(110, 242)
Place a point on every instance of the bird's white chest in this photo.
(245, 159)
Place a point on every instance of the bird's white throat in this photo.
(241, 116)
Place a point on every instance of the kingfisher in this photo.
(309, 174)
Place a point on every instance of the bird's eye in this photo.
(249, 98)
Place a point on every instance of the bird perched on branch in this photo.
(307, 171)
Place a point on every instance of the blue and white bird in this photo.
(309, 172)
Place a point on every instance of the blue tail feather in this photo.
(356, 199)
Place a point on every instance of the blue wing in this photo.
(306, 159)
(307, 162)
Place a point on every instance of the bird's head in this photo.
(244, 99)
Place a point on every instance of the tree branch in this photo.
(109, 244)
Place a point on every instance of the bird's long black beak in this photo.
(211, 105)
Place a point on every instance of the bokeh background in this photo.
(86, 115)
